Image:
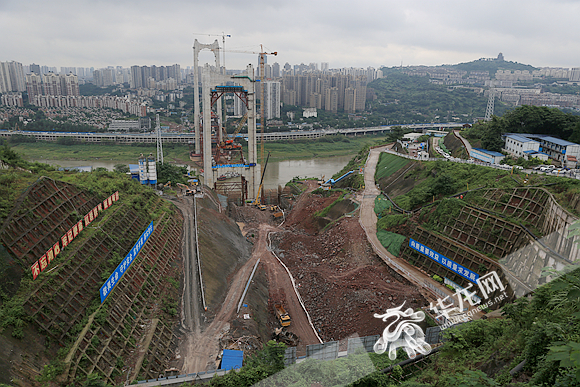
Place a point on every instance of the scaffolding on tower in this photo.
(490, 105)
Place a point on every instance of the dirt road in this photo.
(279, 279)
(191, 316)
(200, 346)
(430, 288)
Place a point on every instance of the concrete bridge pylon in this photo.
(250, 170)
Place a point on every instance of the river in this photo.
(277, 172)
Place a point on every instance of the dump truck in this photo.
(283, 317)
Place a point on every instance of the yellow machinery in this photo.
(256, 202)
(282, 315)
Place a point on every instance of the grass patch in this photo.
(329, 146)
(391, 221)
(442, 145)
(391, 241)
(382, 204)
(105, 152)
(389, 164)
(442, 178)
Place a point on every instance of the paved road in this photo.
(464, 141)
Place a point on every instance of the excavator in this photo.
(188, 191)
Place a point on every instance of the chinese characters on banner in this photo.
(124, 265)
(444, 261)
(43, 262)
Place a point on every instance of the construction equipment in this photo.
(185, 189)
(277, 212)
(256, 202)
(286, 337)
(282, 315)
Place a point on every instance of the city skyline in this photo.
(387, 33)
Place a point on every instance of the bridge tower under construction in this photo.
(243, 87)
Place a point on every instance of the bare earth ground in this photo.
(341, 280)
(201, 344)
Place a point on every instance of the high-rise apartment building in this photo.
(574, 75)
(51, 84)
(140, 75)
(239, 107)
(271, 99)
(276, 70)
(331, 100)
(33, 85)
(12, 77)
(306, 87)
(34, 68)
(5, 83)
(349, 100)
(69, 85)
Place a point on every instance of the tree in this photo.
(121, 168)
(94, 380)
(168, 172)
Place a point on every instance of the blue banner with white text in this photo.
(444, 261)
(124, 265)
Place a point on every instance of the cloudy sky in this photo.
(361, 33)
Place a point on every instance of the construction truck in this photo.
(282, 315)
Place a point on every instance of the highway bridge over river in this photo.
(186, 138)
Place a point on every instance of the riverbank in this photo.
(331, 146)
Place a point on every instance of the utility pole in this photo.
(159, 143)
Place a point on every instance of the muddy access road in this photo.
(199, 344)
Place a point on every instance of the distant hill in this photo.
(477, 65)
(490, 65)
(402, 98)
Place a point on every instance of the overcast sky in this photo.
(361, 33)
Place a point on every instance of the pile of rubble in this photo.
(342, 282)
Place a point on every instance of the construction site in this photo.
(103, 276)
(215, 276)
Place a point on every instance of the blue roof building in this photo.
(487, 156)
(565, 152)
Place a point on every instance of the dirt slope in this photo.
(342, 281)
